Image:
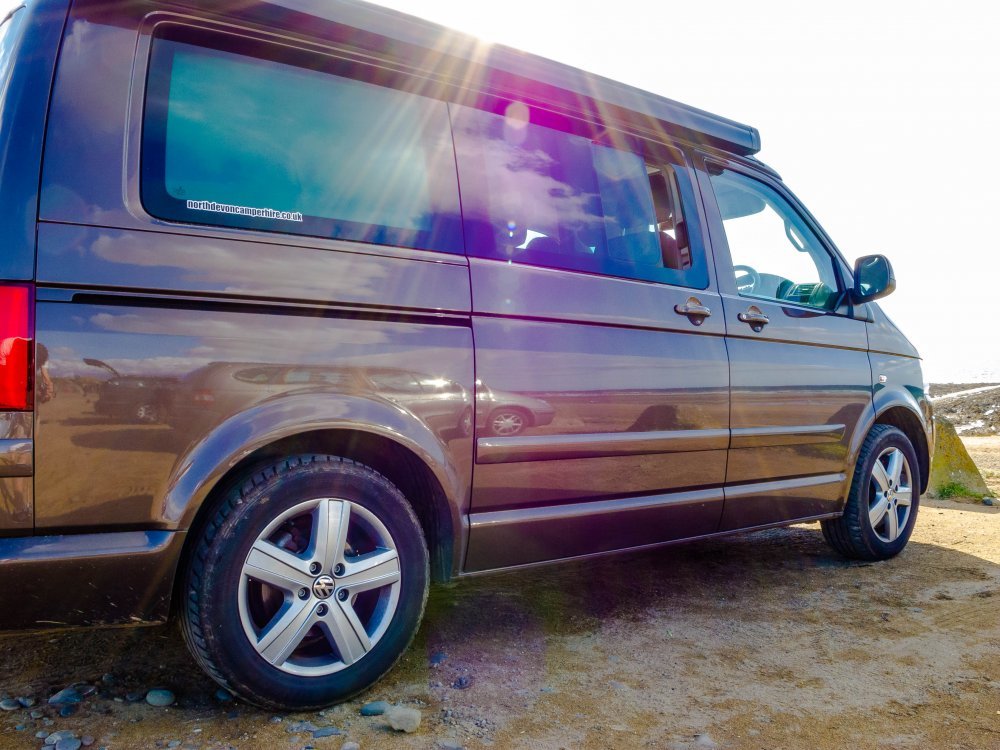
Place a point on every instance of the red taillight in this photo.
(17, 331)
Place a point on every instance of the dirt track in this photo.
(766, 640)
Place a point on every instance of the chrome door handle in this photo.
(694, 310)
(755, 318)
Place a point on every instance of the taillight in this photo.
(17, 331)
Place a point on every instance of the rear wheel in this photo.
(308, 583)
(882, 505)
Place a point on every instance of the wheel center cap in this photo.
(323, 587)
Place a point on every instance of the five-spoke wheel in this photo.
(308, 583)
(319, 587)
(882, 504)
(890, 494)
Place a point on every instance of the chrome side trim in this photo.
(521, 516)
(496, 450)
(782, 485)
(760, 437)
(16, 458)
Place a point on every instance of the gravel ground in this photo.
(766, 640)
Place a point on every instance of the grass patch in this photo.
(954, 489)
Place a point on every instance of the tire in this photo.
(290, 618)
(882, 505)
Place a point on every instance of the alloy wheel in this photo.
(319, 587)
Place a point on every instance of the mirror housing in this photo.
(873, 278)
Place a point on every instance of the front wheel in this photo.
(881, 507)
(307, 585)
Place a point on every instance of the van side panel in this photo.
(139, 382)
(160, 333)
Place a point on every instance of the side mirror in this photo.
(873, 278)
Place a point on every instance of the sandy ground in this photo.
(765, 640)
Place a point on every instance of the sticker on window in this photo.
(226, 208)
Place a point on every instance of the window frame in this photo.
(725, 274)
(151, 192)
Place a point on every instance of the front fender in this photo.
(199, 469)
(903, 405)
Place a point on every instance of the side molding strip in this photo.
(497, 450)
(761, 437)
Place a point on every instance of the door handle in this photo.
(755, 318)
(694, 310)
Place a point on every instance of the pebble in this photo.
(703, 740)
(41, 734)
(19, 728)
(174, 743)
(547, 689)
(403, 719)
(70, 743)
(65, 696)
(86, 740)
(450, 745)
(27, 701)
(350, 746)
(134, 697)
(326, 732)
(68, 710)
(463, 683)
(36, 714)
(276, 720)
(62, 734)
(108, 679)
(301, 726)
(989, 501)
(438, 658)
(223, 696)
(376, 708)
(10, 704)
(159, 697)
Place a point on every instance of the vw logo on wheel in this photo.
(323, 587)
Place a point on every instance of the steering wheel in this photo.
(747, 279)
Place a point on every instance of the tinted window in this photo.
(538, 195)
(236, 140)
(775, 253)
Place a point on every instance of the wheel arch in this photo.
(396, 444)
(906, 420)
(897, 406)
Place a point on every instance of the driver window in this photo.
(775, 254)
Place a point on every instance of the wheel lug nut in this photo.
(338, 570)
(315, 568)
(342, 595)
(322, 609)
(303, 593)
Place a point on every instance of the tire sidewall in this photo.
(218, 590)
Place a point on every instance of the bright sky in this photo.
(880, 116)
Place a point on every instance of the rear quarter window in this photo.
(257, 140)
